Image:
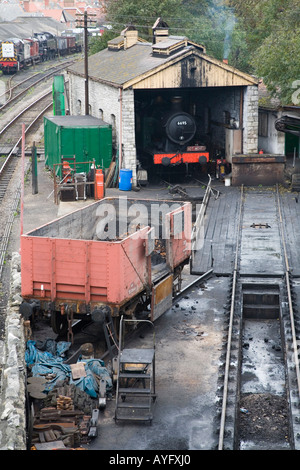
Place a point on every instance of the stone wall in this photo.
(250, 120)
(128, 133)
(12, 396)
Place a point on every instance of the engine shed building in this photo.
(133, 75)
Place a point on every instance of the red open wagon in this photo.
(114, 257)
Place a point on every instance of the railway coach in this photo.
(34, 50)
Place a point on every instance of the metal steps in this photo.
(135, 390)
(296, 182)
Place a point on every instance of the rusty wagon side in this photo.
(113, 257)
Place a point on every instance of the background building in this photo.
(132, 75)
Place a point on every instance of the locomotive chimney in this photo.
(26, 5)
(176, 102)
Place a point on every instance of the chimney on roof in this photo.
(160, 31)
(26, 5)
(130, 36)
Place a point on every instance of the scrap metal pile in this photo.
(65, 399)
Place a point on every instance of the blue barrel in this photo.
(125, 180)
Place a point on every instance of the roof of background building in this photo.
(23, 27)
(9, 12)
(123, 65)
(120, 66)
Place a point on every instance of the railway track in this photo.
(30, 115)
(259, 385)
(11, 135)
(24, 85)
(29, 111)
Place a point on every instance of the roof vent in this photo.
(169, 46)
(160, 31)
(130, 36)
(116, 44)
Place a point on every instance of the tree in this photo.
(258, 18)
(97, 44)
(272, 30)
(211, 23)
(207, 22)
(143, 15)
(276, 62)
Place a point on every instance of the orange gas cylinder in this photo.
(66, 172)
(99, 184)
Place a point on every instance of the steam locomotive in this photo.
(16, 53)
(170, 137)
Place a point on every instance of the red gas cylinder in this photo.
(99, 184)
(67, 172)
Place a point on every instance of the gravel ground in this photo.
(264, 419)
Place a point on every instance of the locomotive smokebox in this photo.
(180, 126)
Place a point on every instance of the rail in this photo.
(289, 293)
(228, 352)
(288, 287)
(42, 79)
(7, 225)
(10, 123)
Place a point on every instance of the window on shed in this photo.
(263, 124)
(78, 107)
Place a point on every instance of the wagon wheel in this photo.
(59, 323)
